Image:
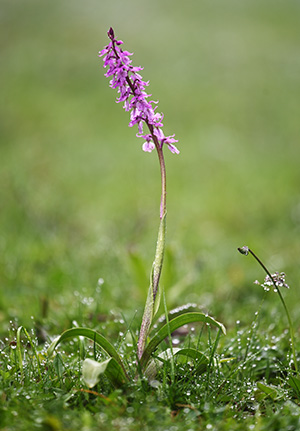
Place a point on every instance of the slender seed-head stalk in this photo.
(246, 250)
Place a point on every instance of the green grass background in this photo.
(78, 196)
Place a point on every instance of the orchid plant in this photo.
(132, 92)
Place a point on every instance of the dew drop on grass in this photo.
(87, 300)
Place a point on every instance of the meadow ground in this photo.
(80, 202)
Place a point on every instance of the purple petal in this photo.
(173, 149)
(148, 146)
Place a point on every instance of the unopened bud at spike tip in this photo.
(111, 33)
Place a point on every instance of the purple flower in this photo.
(148, 146)
(132, 91)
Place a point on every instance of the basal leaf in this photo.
(174, 324)
(153, 297)
(165, 356)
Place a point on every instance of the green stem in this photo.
(162, 164)
(152, 302)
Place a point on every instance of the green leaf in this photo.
(92, 335)
(269, 391)
(201, 364)
(174, 324)
(189, 352)
(175, 312)
(201, 360)
(92, 371)
(193, 354)
(153, 297)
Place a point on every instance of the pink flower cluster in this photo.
(131, 89)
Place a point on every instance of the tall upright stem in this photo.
(161, 159)
(152, 302)
(163, 200)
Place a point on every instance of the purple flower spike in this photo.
(131, 89)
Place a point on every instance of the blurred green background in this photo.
(79, 198)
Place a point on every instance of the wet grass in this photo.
(249, 384)
(79, 203)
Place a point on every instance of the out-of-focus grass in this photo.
(78, 194)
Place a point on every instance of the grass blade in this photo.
(19, 331)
